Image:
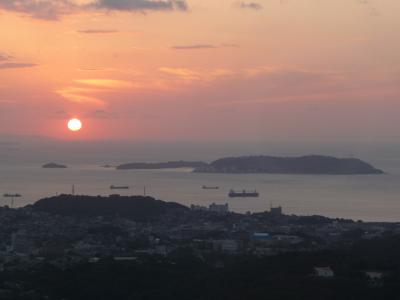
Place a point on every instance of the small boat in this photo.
(205, 187)
(243, 194)
(114, 187)
(107, 166)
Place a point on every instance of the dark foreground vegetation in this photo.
(186, 276)
(139, 208)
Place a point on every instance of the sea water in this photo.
(365, 197)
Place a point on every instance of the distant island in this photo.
(107, 166)
(162, 165)
(53, 166)
(138, 208)
(311, 164)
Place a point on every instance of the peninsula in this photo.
(162, 165)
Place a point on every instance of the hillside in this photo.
(135, 207)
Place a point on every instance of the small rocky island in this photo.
(311, 164)
(162, 165)
(53, 165)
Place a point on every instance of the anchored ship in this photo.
(12, 195)
(243, 194)
(114, 187)
(205, 187)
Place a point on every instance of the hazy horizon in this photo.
(38, 150)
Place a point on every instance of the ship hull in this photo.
(244, 194)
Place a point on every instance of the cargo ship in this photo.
(243, 194)
(12, 195)
(205, 187)
(114, 187)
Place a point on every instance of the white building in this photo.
(324, 272)
(373, 275)
(276, 211)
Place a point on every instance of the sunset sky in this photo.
(201, 69)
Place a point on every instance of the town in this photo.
(68, 237)
(30, 234)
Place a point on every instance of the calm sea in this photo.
(367, 197)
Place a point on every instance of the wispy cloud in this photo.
(261, 82)
(54, 9)
(191, 75)
(8, 62)
(101, 114)
(87, 91)
(80, 95)
(194, 47)
(5, 56)
(203, 46)
(106, 83)
(98, 31)
(96, 69)
(249, 5)
(139, 5)
(230, 46)
(16, 65)
(46, 9)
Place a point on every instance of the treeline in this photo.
(139, 208)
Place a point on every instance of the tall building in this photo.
(276, 211)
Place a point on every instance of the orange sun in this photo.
(74, 124)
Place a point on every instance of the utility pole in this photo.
(12, 196)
